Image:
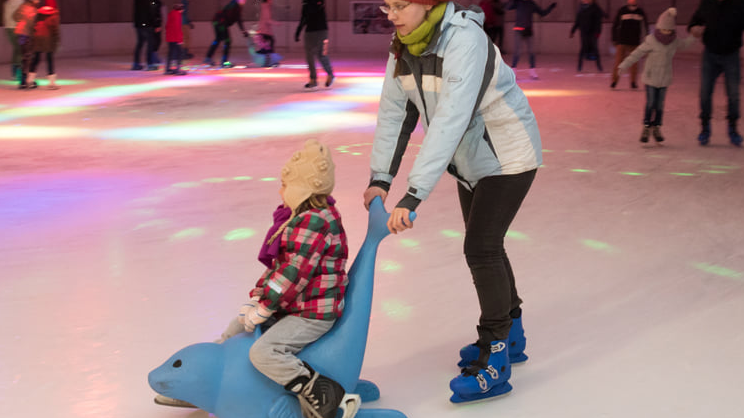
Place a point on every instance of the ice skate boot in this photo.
(645, 133)
(311, 84)
(704, 136)
(486, 377)
(656, 132)
(321, 397)
(734, 136)
(517, 344)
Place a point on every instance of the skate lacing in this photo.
(309, 405)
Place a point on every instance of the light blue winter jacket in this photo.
(477, 121)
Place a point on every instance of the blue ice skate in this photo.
(487, 377)
(517, 344)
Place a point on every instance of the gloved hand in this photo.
(553, 4)
(253, 314)
(245, 34)
(297, 35)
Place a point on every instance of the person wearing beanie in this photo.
(523, 31)
(302, 290)
(721, 24)
(46, 40)
(478, 126)
(313, 20)
(9, 8)
(660, 46)
(589, 23)
(629, 25)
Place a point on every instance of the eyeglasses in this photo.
(395, 8)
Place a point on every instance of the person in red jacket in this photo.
(174, 37)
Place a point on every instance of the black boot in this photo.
(734, 135)
(704, 136)
(321, 397)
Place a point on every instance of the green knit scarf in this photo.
(419, 39)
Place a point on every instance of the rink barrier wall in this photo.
(84, 40)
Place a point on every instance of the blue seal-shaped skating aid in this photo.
(220, 379)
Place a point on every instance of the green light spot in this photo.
(152, 223)
(682, 174)
(547, 150)
(397, 310)
(343, 151)
(268, 179)
(409, 243)
(725, 167)
(599, 246)
(188, 233)
(356, 153)
(630, 173)
(718, 270)
(242, 178)
(186, 184)
(519, 236)
(577, 151)
(215, 180)
(450, 233)
(239, 234)
(581, 170)
(713, 171)
(387, 265)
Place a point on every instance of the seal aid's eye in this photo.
(177, 363)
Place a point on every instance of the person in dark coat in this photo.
(222, 20)
(627, 31)
(589, 23)
(724, 24)
(313, 20)
(523, 28)
(147, 20)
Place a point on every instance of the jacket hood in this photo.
(456, 15)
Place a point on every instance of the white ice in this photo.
(132, 207)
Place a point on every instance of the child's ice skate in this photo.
(517, 344)
(321, 397)
(486, 377)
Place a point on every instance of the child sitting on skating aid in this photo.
(661, 45)
(304, 285)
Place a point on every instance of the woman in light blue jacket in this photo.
(479, 127)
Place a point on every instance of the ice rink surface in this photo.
(133, 204)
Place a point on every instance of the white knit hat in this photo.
(310, 171)
(668, 19)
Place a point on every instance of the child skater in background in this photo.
(174, 37)
(302, 290)
(661, 45)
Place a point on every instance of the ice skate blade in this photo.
(495, 391)
(350, 405)
(166, 401)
